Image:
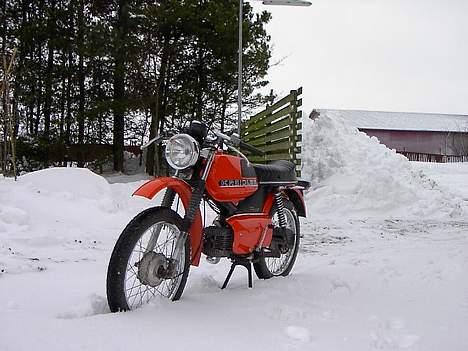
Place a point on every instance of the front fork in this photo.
(190, 211)
(167, 201)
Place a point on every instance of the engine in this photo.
(217, 241)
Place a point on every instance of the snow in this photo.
(382, 265)
(401, 120)
(355, 176)
(455, 174)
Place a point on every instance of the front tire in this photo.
(267, 267)
(151, 258)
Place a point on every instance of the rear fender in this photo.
(294, 195)
(152, 187)
(297, 198)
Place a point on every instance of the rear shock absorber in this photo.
(280, 209)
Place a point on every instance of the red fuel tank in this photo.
(231, 179)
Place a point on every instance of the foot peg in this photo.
(239, 262)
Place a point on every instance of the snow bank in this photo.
(79, 188)
(72, 183)
(60, 208)
(76, 197)
(353, 175)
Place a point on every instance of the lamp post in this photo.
(239, 73)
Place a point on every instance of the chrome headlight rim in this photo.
(192, 151)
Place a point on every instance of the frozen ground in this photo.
(376, 278)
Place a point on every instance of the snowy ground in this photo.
(454, 176)
(358, 284)
(363, 281)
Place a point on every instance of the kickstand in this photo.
(239, 262)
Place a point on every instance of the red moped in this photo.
(257, 208)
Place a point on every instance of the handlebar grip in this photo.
(251, 148)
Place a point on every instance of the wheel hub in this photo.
(152, 269)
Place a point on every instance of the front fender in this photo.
(152, 187)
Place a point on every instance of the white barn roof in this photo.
(402, 120)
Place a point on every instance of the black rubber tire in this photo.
(123, 249)
(260, 266)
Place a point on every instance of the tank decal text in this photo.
(228, 183)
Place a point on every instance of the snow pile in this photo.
(70, 183)
(77, 187)
(60, 209)
(353, 175)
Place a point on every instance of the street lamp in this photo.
(239, 75)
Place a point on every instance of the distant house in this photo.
(412, 133)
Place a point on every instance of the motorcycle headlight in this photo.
(182, 151)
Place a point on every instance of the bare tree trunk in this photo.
(62, 101)
(48, 93)
(48, 77)
(121, 30)
(48, 100)
(81, 81)
(9, 123)
(151, 151)
(68, 119)
(38, 95)
(153, 159)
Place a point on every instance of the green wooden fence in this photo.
(276, 130)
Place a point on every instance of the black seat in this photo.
(277, 172)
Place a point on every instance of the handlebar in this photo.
(236, 141)
(233, 139)
(251, 148)
(156, 140)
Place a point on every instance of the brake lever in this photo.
(235, 139)
(222, 136)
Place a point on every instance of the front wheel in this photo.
(150, 259)
(267, 267)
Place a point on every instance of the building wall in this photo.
(440, 143)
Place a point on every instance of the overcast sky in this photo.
(393, 55)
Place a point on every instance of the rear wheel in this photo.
(267, 267)
(151, 259)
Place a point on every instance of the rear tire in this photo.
(267, 267)
(139, 258)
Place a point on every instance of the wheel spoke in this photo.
(133, 275)
(133, 287)
(162, 239)
(278, 265)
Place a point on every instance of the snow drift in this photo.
(353, 175)
(60, 208)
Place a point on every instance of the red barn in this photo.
(420, 136)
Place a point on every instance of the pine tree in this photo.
(103, 72)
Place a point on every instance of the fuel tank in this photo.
(231, 179)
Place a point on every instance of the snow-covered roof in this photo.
(402, 120)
